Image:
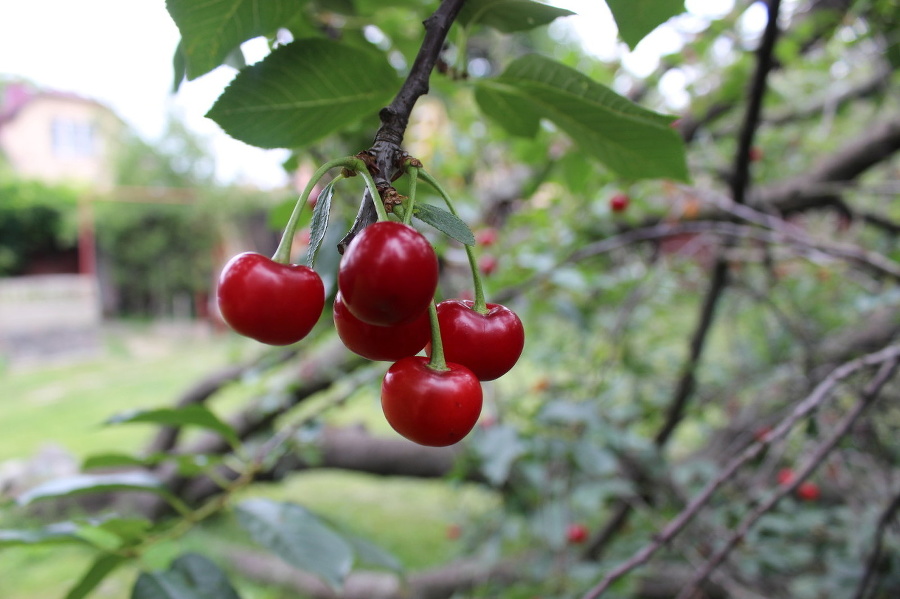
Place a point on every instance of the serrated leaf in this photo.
(298, 537)
(445, 222)
(191, 576)
(636, 18)
(517, 115)
(192, 415)
(212, 29)
(635, 142)
(318, 226)
(302, 92)
(93, 483)
(102, 567)
(509, 15)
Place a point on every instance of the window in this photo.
(73, 138)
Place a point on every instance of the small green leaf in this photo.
(212, 29)
(53, 534)
(304, 91)
(112, 460)
(445, 222)
(635, 142)
(637, 18)
(516, 114)
(192, 415)
(509, 16)
(102, 567)
(298, 537)
(191, 576)
(93, 483)
(373, 555)
(319, 224)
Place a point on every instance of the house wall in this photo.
(62, 138)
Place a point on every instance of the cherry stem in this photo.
(410, 206)
(377, 201)
(480, 305)
(283, 252)
(438, 362)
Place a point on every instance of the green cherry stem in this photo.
(283, 252)
(480, 303)
(373, 191)
(437, 362)
(410, 206)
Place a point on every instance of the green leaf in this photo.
(302, 92)
(93, 483)
(102, 567)
(509, 15)
(112, 460)
(373, 555)
(445, 222)
(319, 224)
(212, 29)
(635, 142)
(179, 67)
(191, 576)
(192, 415)
(516, 114)
(52, 534)
(637, 18)
(298, 537)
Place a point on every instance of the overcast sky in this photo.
(120, 53)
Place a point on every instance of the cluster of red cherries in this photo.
(385, 310)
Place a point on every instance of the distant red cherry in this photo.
(576, 533)
(454, 531)
(785, 476)
(486, 237)
(619, 202)
(756, 154)
(487, 264)
(808, 491)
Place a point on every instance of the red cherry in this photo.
(430, 407)
(486, 237)
(808, 491)
(488, 344)
(487, 264)
(576, 533)
(380, 343)
(619, 202)
(756, 154)
(785, 476)
(454, 531)
(388, 275)
(271, 302)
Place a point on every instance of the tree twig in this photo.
(888, 515)
(887, 359)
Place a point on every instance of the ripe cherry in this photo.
(429, 406)
(756, 154)
(486, 237)
(808, 491)
(380, 343)
(619, 202)
(388, 275)
(576, 533)
(488, 344)
(785, 476)
(487, 264)
(274, 303)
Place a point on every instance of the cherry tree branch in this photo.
(887, 516)
(386, 155)
(887, 359)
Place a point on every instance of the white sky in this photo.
(119, 52)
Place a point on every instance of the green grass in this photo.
(65, 405)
